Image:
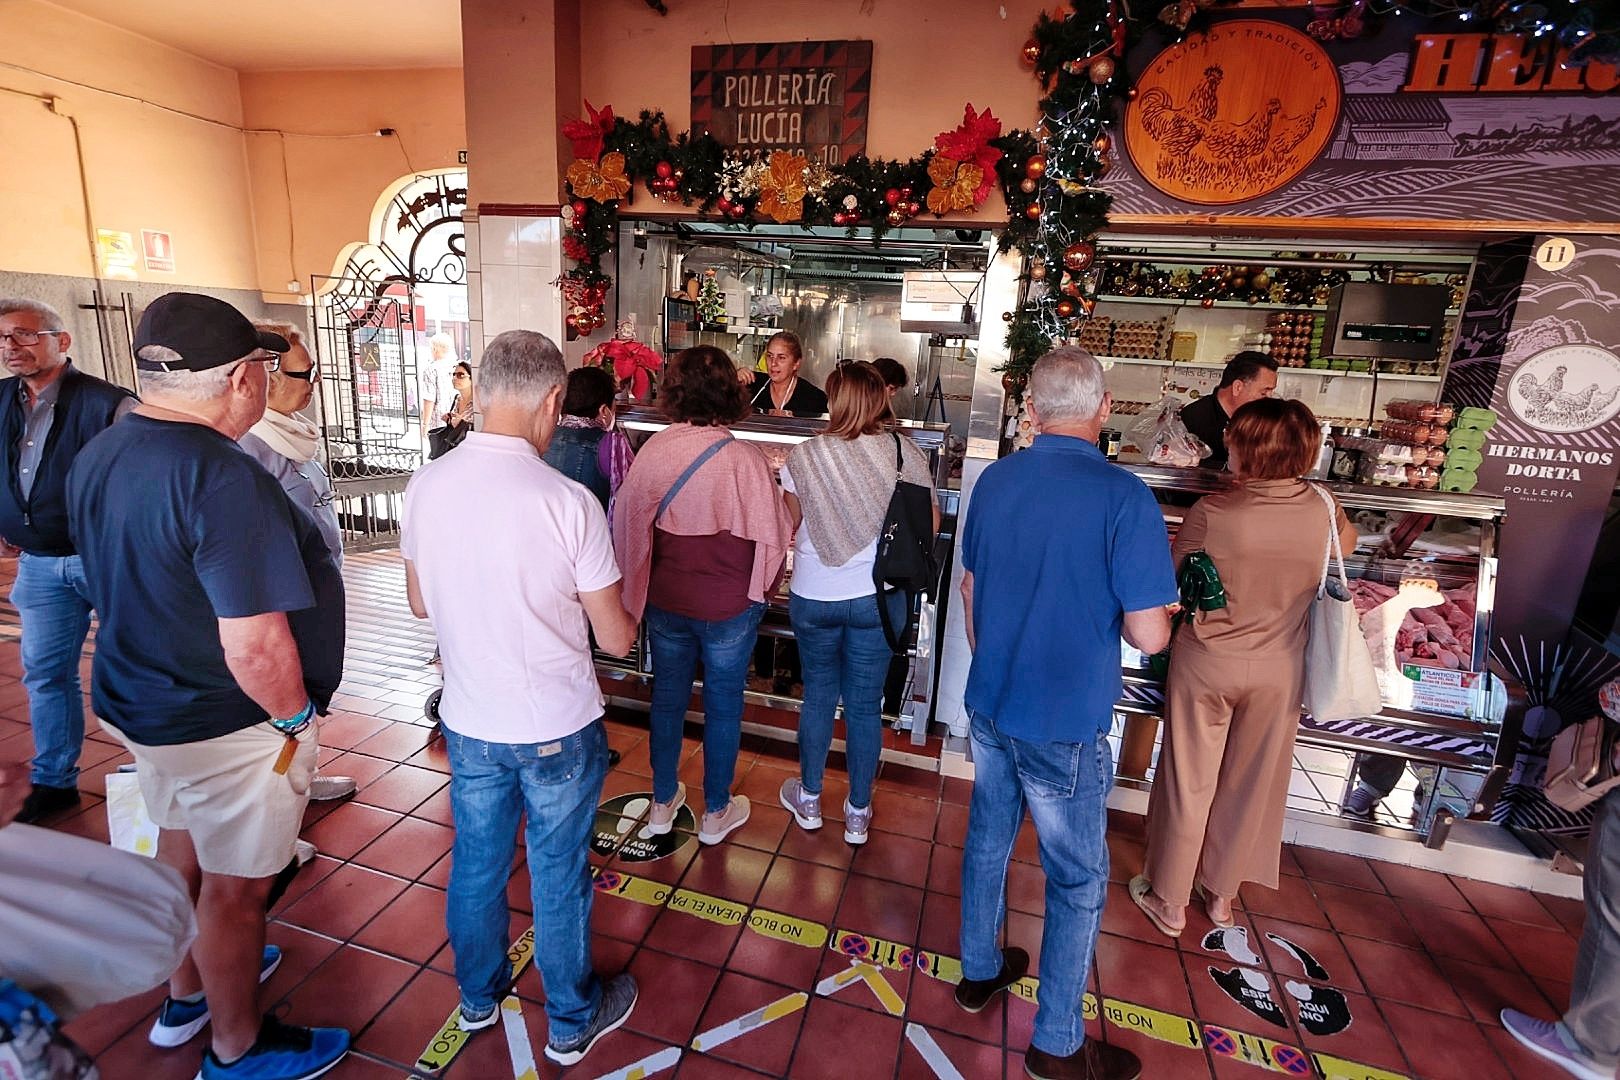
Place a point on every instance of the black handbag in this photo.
(905, 549)
(445, 439)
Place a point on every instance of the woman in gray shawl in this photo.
(838, 487)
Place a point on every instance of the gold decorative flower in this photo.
(602, 182)
(956, 184)
(782, 189)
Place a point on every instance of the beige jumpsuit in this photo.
(1232, 703)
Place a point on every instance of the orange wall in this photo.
(335, 166)
(147, 168)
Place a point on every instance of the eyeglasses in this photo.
(307, 375)
(27, 337)
(461, 375)
(271, 362)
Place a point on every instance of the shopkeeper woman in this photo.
(778, 390)
(1215, 817)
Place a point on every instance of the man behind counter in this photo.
(1248, 375)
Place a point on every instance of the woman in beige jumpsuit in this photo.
(1215, 817)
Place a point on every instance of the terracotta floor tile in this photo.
(348, 828)
(897, 858)
(1424, 885)
(1027, 847)
(1143, 974)
(1570, 913)
(406, 1027)
(132, 1056)
(624, 919)
(344, 901)
(1026, 887)
(945, 870)
(1391, 973)
(1027, 932)
(436, 808)
(432, 756)
(1292, 901)
(1500, 902)
(439, 875)
(967, 1057)
(1444, 1047)
(1366, 1040)
(803, 889)
(695, 1066)
(727, 871)
(396, 742)
(1520, 1062)
(1161, 1058)
(101, 1027)
(669, 869)
(402, 789)
(1126, 857)
(1323, 945)
(897, 813)
(825, 846)
(763, 783)
(688, 936)
(368, 981)
(675, 990)
(767, 825)
(309, 875)
(363, 768)
(941, 926)
(1366, 914)
(906, 780)
(881, 909)
(931, 1002)
(831, 1028)
(767, 1048)
(412, 927)
(951, 826)
(1486, 990)
(1338, 868)
(1543, 953)
(1555, 991)
(792, 966)
(1461, 934)
(409, 849)
(302, 951)
(343, 729)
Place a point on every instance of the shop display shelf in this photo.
(1182, 301)
(1108, 361)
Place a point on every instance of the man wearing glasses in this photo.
(48, 410)
(221, 637)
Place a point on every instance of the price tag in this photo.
(1442, 690)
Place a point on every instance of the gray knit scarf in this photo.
(844, 486)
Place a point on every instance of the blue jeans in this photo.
(845, 655)
(558, 784)
(678, 642)
(51, 596)
(1065, 785)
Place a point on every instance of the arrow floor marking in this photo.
(517, 1040)
(919, 1037)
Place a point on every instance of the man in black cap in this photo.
(48, 410)
(221, 637)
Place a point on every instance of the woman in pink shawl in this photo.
(701, 533)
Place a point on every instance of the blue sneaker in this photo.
(282, 1052)
(178, 1022)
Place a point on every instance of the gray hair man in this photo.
(221, 637)
(49, 409)
(436, 383)
(511, 560)
(1063, 553)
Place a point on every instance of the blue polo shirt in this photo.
(1060, 544)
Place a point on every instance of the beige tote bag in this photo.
(1340, 683)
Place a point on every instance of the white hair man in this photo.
(436, 383)
(1062, 552)
(221, 637)
(48, 410)
(522, 710)
(288, 445)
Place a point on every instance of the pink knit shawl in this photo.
(733, 492)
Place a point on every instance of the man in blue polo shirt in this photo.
(1063, 554)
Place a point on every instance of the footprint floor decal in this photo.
(1313, 970)
(1252, 990)
(1322, 1009)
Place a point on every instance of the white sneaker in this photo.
(327, 788)
(304, 852)
(662, 818)
(857, 823)
(805, 807)
(716, 827)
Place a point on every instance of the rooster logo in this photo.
(1548, 394)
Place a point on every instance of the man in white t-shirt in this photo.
(434, 385)
(511, 560)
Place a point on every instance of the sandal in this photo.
(1141, 889)
(1209, 899)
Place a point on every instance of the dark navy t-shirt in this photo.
(178, 527)
(1060, 544)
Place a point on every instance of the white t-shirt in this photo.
(437, 386)
(503, 546)
(814, 579)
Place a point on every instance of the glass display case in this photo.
(914, 679)
(1423, 577)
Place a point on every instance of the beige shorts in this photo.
(242, 815)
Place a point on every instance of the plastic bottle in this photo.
(1324, 457)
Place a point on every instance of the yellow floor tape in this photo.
(444, 1046)
(710, 908)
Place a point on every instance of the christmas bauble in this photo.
(1037, 271)
(905, 193)
(896, 216)
(1035, 168)
(913, 208)
(580, 208)
(1033, 211)
(723, 205)
(1066, 309)
(1008, 382)
(1261, 281)
(1208, 301)
(1028, 185)
(891, 196)
(1032, 51)
(1102, 70)
(664, 170)
(1006, 316)
(738, 211)
(1078, 256)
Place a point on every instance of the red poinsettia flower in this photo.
(574, 248)
(970, 143)
(588, 135)
(631, 361)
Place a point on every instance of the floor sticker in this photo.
(444, 1046)
(1333, 1068)
(889, 954)
(1322, 1009)
(1252, 990)
(667, 1058)
(780, 927)
(517, 1040)
(1257, 1050)
(753, 1021)
(860, 971)
(1163, 1026)
(616, 829)
(639, 890)
(920, 1038)
(709, 908)
(1313, 970)
(1234, 942)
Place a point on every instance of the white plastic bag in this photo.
(130, 826)
(82, 924)
(1164, 438)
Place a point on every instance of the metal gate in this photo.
(370, 401)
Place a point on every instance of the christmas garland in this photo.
(1048, 177)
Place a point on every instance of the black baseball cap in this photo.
(206, 332)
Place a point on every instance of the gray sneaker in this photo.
(618, 998)
(856, 823)
(805, 807)
(1361, 803)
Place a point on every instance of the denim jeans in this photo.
(678, 642)
(491, 786)
(51, 596)
(1065, 785)
(845, 655)
(1592, 1021)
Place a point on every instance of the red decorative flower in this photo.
(631, 361)
(588, 135)
(574, 248)
(970, 144)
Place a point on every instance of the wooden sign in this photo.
(808, 97)
(1233, 113)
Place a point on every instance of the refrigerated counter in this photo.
(910, 706)
(1448, 708)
